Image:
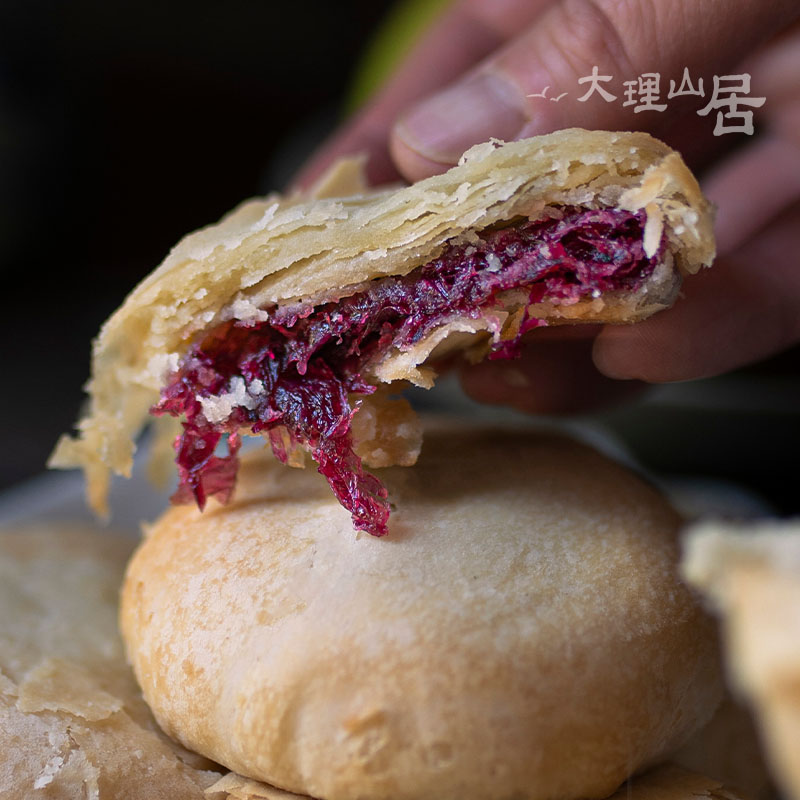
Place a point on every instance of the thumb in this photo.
(622, 38)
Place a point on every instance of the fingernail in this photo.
(444, 126)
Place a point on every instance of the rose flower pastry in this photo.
(291, 316)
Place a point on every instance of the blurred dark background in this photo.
(125, 125)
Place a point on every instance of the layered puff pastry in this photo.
(292, 316)
(73, 723)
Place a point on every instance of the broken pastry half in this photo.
(293, 318)
(751, 575)
(73, 723)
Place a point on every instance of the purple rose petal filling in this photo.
(298, 369)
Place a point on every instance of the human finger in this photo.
(583, 48)
(744, 309)
(553, 375)
(751, 187)
(464, 34)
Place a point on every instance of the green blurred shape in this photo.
(403, 25)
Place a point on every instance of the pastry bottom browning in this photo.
(292, 375)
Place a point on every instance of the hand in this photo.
(477, 68)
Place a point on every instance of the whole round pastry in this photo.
(521, 631)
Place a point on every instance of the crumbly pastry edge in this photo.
(275, 250)
(72, 720)
(749, 573)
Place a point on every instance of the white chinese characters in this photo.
(643, 93)
(729, 97)
(594, 80)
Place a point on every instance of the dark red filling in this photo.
(300, 367)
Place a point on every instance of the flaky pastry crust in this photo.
(72, 720)
(751, 575)
(520, 633)
(667, 782)
(283, 250)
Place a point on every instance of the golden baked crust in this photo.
(751, 575)
(667, 782)
(521, 632)
(277, 250)
(72, 720)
